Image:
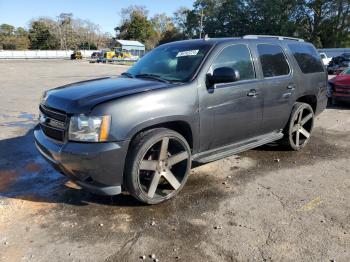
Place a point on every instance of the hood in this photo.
(342, 80)
(81, 97)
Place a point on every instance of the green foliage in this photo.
(87, 46)
(41, 38)
(6, 30)
(326, 23)
(136, 27)
(171, 35)
(12, 38)
(63, 33)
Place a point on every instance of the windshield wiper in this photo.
(152, 76)
(127, 75)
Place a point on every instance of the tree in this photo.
(137, 27)
(171, 35)
(161, 23)
(12, 38)
(272, 17)
(6, 29)
(188, 22)
(41, 36)
(324, 22)
(65, 31)
(21, 39)
(6, 33)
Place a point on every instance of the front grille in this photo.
(58, 115)
(342, 89)
(53, 123)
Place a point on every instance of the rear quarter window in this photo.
(307, 58)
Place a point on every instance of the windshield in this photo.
(175, 62)
(346, 72)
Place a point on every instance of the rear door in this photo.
(278, 86)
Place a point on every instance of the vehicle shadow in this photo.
(339, 106)
(25, 175)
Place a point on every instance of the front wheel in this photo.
(158, 165)
(298, 131)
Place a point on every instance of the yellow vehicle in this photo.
(122, 55)
(117, 54)
(76, 55)
(109, 54)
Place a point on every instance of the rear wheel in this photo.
(298, 131)
(158, 165)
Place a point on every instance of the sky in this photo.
(106, 13)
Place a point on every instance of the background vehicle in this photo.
(338, 64)
(339, 87)
(95, 54)
(325, 59)
(196, 100)
(76, 55)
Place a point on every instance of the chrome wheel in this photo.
(302, 124)
(164, 167)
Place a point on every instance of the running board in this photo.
(229, 150)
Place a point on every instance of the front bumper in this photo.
(97, 167)
(341, 97)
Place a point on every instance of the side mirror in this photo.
(223, 75)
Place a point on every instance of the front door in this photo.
(231, 112)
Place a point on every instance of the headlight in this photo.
(43, 97)
(89, 128)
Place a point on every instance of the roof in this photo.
(257, 38)
(130, 43)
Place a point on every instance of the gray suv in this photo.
(184, 102)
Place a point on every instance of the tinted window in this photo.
(273, 60)
(237, 57)
(307, 57)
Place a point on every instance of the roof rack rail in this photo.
(273, 36)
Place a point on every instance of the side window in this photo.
(307, 58)
(237, 57)
(273, 61)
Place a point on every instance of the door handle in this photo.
(291, 87)
(252, 93)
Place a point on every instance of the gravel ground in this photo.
(263, 205)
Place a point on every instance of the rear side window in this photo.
(237, 57)
(307, 57)
(273, 61)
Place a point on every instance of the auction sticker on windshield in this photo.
(187, 53)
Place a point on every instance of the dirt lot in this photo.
(263, 205)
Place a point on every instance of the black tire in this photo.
(146, 150)
(297, 133)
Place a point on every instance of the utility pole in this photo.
(201, 25)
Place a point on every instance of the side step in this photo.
(229, 150)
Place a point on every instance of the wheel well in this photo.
(309, 99)
(181, 127)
